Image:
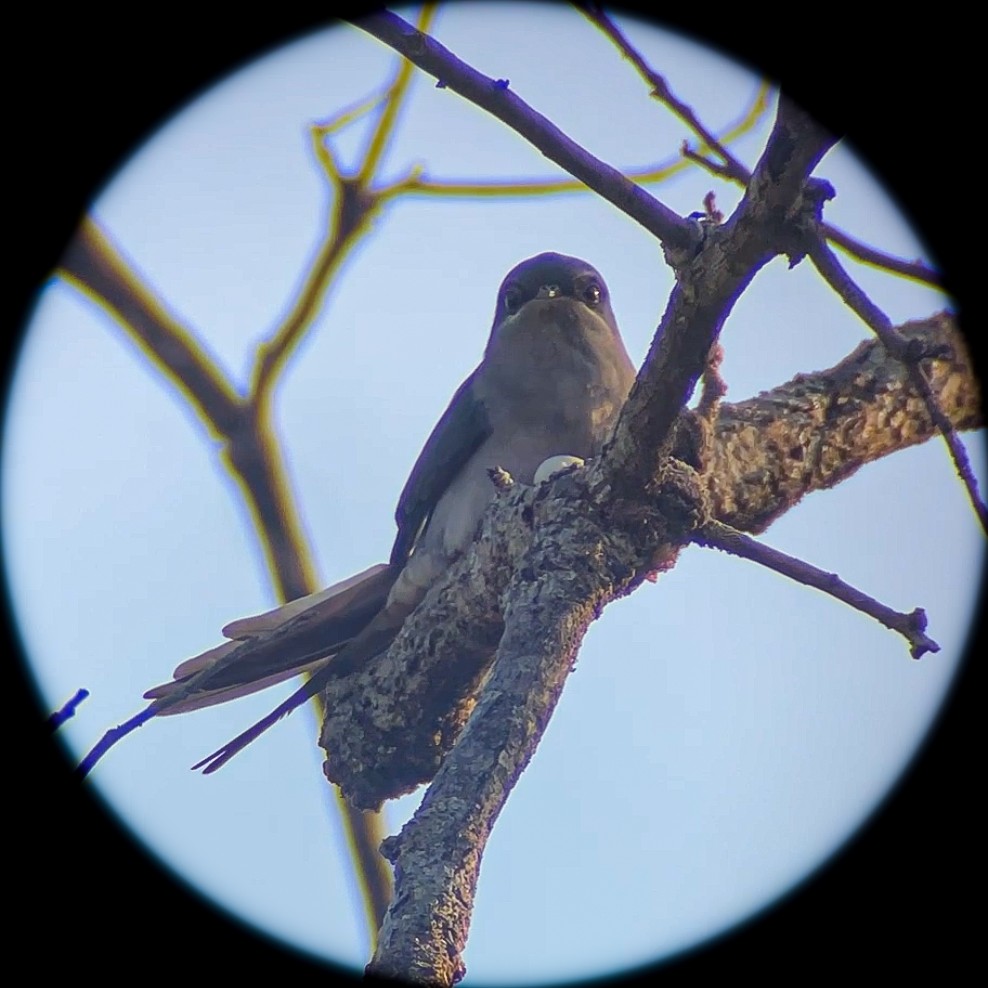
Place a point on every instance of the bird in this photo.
(552, 381)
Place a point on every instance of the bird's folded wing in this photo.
(321, 605)
(277, 645)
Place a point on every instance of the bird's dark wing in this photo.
(464, 426)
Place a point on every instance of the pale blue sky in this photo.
(744, 727)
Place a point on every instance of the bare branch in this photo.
(397, 92)
(251, 451)
(419, 182)
(916, 270)
(495, 96)
(554, 556)
(714, 167)
(733, 171)
(109, 739)
(825, 261)
(716, 535)
(708, 285)
(94, 265)
(354, 207)
(58, 717)
(355, 203)
(550, 606)
(98, 269)
(731, 168)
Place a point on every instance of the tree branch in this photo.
(494, 96)
(95, 266)
(419, 182)
(710, 283)
(915, 270)
(818, 429)
(716, 535)
(549, 602)
(66, 711)
(732, 168)
(547, 561)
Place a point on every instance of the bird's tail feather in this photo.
(374, 638)
(222, 755)
(304, 635)
(277, 645)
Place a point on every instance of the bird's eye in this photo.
(591, 294)
(512, 300)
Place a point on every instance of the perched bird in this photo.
(554, 376)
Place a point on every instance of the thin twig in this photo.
(384, 130)
(825, 261)
(342, 119)
(355, 202)
(354, 207)
(714, 167)
(109, 739)
(916, 270)
(732, 168)
(496, 97)
(419, 182)
(58, 717)
(911, 626)
(840, 281)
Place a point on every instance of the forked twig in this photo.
(732, 168)
(912, 626)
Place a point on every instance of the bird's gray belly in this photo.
(453, 523)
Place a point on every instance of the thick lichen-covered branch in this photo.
(818, 429)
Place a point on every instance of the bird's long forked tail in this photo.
(222, 755)
(319, 626)
(374, 639)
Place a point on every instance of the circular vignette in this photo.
(847, 912)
